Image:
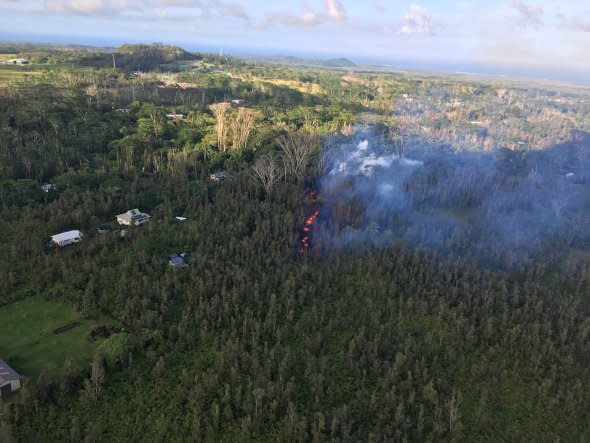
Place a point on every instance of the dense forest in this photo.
(276, 328)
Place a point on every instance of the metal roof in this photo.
(65, 236)
(177, 261)
(133, 214)
(7, 373)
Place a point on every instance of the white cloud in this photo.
(90, 7)
(580, 25)
(232, 10)
(417, 21)
(335, 10)
(306, 18)
(528, 14)
(122, 7)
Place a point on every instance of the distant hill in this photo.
(140, 57)
(164, 53)
(338, 63)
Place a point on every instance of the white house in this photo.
(9, 379)
(219, 176)
(46, 187)
(174, 117)
(67, 238)
(17, 61)
(133, 217)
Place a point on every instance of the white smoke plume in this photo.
(362, 161)
(477, 205)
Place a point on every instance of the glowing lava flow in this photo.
(309, 221)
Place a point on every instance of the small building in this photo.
(219, 176)
(66, 238)
(9, 379)
(123, 110)
(46, 187)
(133, 217)
(180, 218)
(177, 262)
(174, 117)
(104, 229)
(238, 101)
(17, 61)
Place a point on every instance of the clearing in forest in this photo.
(37, 334)
(11, 74)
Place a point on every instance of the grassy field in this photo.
(7, 57)
(11, 75)
(306, 88)
(28, 342)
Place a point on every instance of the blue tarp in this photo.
(177, 261)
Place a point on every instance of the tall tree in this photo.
(242, 125)
(266, 172)
(220, 112)
(298, 149)
(97, 378)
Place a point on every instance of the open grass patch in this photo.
(29, 342)
(11, 75)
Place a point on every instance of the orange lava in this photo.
(309, 221)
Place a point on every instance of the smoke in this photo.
(503, 206)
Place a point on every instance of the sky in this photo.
(531, 33)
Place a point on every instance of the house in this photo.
(174, 117)
(46, 187)
(238, 101)
(133, 217)
(17, 61)
(9, 379)
(66, 238)
(219, 176)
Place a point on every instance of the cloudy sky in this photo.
(525, 32)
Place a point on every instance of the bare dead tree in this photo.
(398, 136)
(242, 126)
(220, 111)
(298, 149)
(266, 172)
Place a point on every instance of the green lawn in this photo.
(27, 340)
